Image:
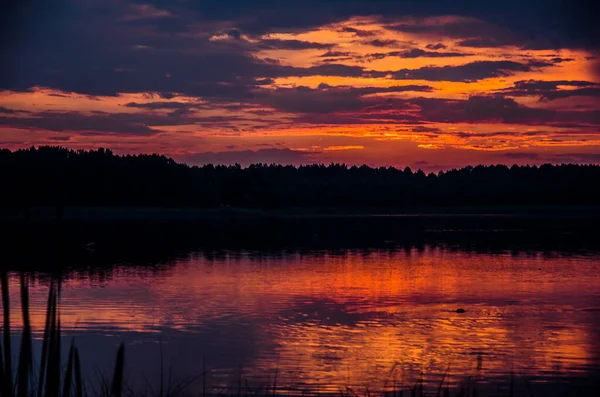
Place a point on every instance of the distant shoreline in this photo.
(175, 214)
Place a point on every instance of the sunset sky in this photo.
(428, 84)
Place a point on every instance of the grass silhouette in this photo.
(47, 380)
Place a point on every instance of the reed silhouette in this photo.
(48, 379)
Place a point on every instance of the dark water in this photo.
(324, 319)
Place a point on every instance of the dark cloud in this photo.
(550, 85)
(327, 99)
(508, 23)
(423, 129)
(100, 58)
(275, 44)
(484, 42)
(467, 73)
(339, 107)
(161, 105)
(87, 47)
(101, 48)
(384, 43)
(336, 60)
(438, 46)
(549, 90)
(10, 111)
(234, 34)
(142, 123)
(210, 73)
(561, 60)
(471, 32)
(336, 54)
(125, 124)
(541, 22)
(418, 53)
(320, 70)
(415, 53)
(559, 94)
(499, 109)
(358, 32)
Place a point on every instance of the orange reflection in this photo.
(348, 318)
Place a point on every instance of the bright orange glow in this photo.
(410, 78)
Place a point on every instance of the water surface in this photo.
(323, 320)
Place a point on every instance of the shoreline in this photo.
(45, 214)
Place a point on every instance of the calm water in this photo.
(323, 320)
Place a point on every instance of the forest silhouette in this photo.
(59, 176)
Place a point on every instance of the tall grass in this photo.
(49, 378)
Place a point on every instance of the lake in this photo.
(315, 319)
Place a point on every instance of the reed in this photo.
(50, 379)
(7, 386)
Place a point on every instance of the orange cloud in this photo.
(416, 83)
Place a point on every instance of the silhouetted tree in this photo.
(57, 176)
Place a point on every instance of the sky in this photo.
(431, 84)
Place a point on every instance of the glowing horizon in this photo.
(431, 91)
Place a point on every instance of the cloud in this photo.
(565, 24)
(418, 53)
(336, 54)
(234, 34)
(423, 129)
(498, 109)
(415, 53)
(465, 73)
(550, 90)
(358, 32)
(216, 52)
(10, 111)
(125, 124)
(322, 70)
(438, 46)
(508, 25)
(337, 108)
(96, 54)
(275, 44)
(561, 60)
(139, 123)
(559, 94)
(550, 84)
(162, 105)
(327, 99)
(384, 43)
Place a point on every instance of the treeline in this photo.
(58, 176)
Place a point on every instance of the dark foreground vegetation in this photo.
(57, 176)
(50, 376)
